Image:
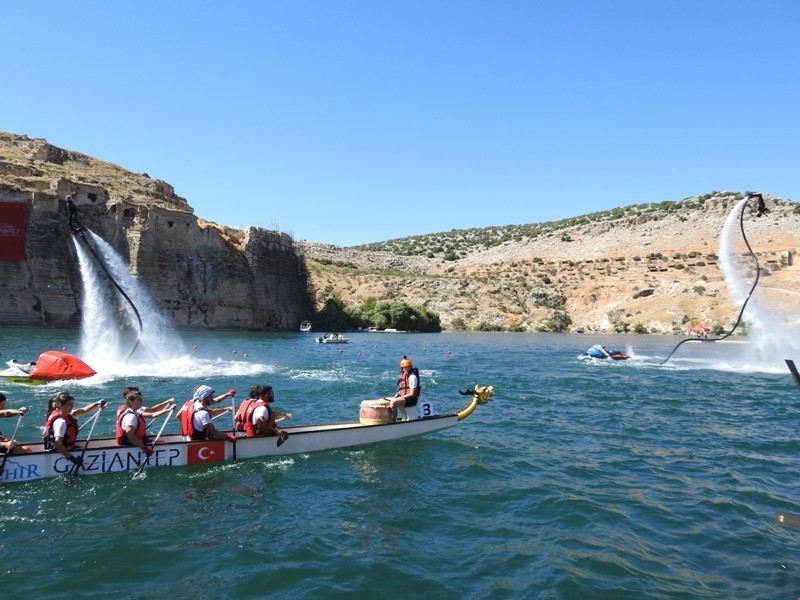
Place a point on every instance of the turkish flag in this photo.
(205, 452)
(13, 228)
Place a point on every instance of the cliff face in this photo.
(201, 274)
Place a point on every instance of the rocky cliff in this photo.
(202, 274)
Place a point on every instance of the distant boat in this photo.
(332, 338)
(305, 326)
(600, 351)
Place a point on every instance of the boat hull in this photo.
(105, 456)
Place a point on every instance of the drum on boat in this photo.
(375, 412)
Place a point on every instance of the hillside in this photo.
(650, 267)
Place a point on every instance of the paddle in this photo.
(155, 441)
(10, 443)
(233, 426)
(793, 369)
(788, 520)
(86, 445)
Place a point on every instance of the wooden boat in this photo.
(103, 455)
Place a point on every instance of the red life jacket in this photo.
(187, 421)
(139, 432)
(70, 436)
(246, 411)
(404, 388)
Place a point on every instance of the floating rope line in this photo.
(80, 230)
(760, 205)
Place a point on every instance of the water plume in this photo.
(109, 325)
(772, 329)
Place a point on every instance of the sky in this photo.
(349, 122)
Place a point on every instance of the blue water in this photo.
(582, 479)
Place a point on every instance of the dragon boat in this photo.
(103, 455)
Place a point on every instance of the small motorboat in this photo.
(51, 366)
(332, 338)
(305, 326)
(600, 351)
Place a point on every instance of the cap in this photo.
(202, 392)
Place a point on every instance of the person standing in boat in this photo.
(7, 445)
(61, 427)
(131, 429)
(258, 417)
(196, 417)
(408, 391)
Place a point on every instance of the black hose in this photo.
(752, 289)
(80, 230)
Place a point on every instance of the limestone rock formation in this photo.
(203, 275)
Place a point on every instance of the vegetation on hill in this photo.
(337, 316)
(458, 243)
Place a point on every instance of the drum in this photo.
(375, 412)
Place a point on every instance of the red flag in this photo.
(205, 452)
(13, 221)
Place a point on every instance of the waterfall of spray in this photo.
(108, 325)
(772, 340)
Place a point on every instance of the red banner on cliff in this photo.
(13, 217)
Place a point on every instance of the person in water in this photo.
(61, 428)
(131, 429)
(408, 389)
(7, 445)
(196, 416)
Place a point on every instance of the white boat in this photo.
(103, 455)
(332, 338)
(305, 326)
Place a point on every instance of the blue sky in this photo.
(348, 122)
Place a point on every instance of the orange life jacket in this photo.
(244, 417)
(187, 421)
(404, 387)
(70, 436)
(139, 432)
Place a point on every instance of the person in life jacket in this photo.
(408, 388)
(61, 428)
(147, 410)
(196, 417)
(7, 445)
(258, 418)
(131, 428)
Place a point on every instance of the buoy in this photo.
(245, 354)
(234, 351)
